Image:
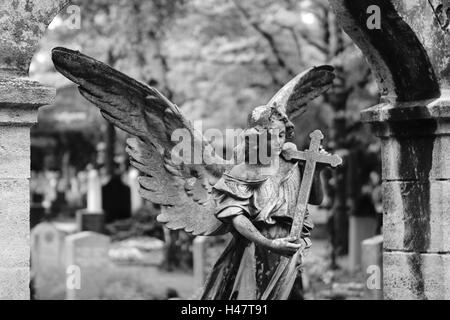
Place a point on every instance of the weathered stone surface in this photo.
(416, 276)
(14, 283)
(420, 17)
(409, 56)
(14, 224)
(22, 25)
(22, 94)
(14, 211)
(14, 255)
(14, 152)
(416, 216)
(416, 158)
(438, 108)
(397, 58)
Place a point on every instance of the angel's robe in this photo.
(244, 269)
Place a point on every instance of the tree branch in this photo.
(321, 47)
(267, 36)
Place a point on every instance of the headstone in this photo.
(92, 218)
(47, 260)
(136, 199)
(360, 228)
(372, 264)
(87, 262)
(206, 251)
(37, 210)
(116, 200)
(94, 194)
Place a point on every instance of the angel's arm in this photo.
(244, 226)
(284, 246)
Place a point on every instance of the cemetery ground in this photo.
(128, 280)
(153, 283)
(133, 283)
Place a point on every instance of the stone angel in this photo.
(254, 201)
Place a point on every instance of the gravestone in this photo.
(87, 262)
(360, 228)
(372, 265)
(206, 251)
(92, 218)
(136, 199)
(47, 258)
(22, 24)
(37, 210)
(116, 201)
(47, 263)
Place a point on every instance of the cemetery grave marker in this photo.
(87, 263)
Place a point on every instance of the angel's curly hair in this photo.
(261, 117)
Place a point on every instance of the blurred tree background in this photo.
(218, 59)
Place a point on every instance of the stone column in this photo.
(22, 23)
(410, 58)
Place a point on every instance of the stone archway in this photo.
(413, 121)
(408, 56)
(23, 22)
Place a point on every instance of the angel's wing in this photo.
(183, 189)
(293, 98)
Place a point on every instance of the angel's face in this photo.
(277, 131)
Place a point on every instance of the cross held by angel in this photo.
(262, 201)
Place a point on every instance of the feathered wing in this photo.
(182, 188)
(293, 98)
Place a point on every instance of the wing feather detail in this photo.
(294, 97)
(183, 189)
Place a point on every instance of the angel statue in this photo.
(254, 201)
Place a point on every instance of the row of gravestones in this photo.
(68, 264)
(74, 265)
(77, 263)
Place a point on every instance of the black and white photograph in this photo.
(255, 150)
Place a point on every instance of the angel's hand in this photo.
(288, 149)
(286, 246)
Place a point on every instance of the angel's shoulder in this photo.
(246, 174)
(239, 171)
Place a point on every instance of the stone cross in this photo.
(286, 271)
(22, 24)
(312, 157)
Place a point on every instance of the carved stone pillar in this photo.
(410, 58)
(22, 23)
